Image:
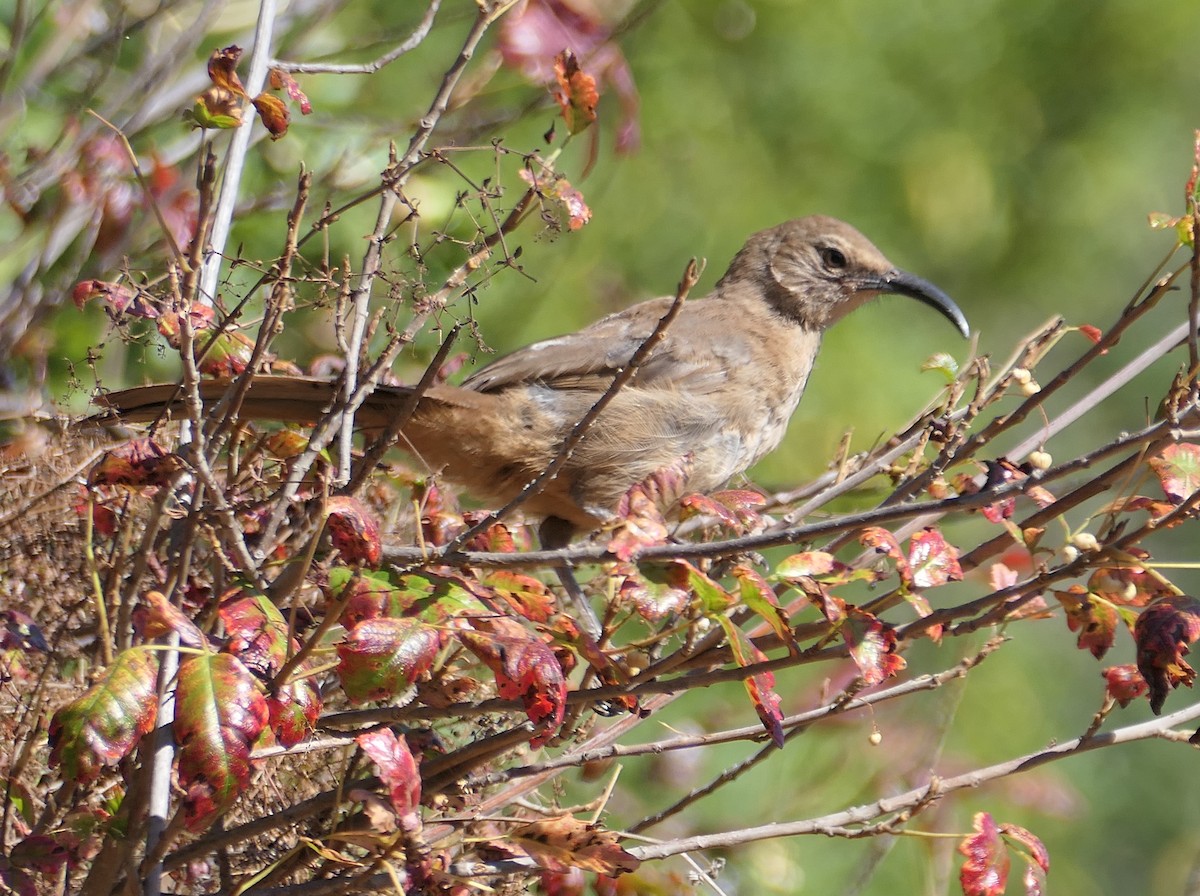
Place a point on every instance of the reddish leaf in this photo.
(537, 30)
(399, 771)
(640, 508)
(833, 608)
(161, 617)
(136, 464)
(525, 595)
(736, 508)
(1095, 334)
(578, 212)
(932, 560)
(39, 853)
(1178, 469)
(985, 871)
(104, 518)
(497, 537)
(577, 94)
(1094, 618)
(222, 69)
(884, 542)
(281, 80)
(354, 531)
(642, 524)
(571, 882)
(655, 592)
(565, 842)
(525, 669)
(872, 644)
(1128, 586)
(370, 595)
(761, 685)
(381, 658)
(257, 632)
(1124, 683)
(220, 712)
(1162, 633)
(103, 726)
(809, 564)
(1029, 845)
(118, 298)
(919, 603)
(273, 113)
(293, 711)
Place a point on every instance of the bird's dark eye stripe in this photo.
(833, 258)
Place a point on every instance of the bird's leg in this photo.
(556, 533)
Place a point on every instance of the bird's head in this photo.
(816, 270)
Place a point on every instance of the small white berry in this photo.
(1040, 460)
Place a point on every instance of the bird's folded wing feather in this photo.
(692, 357)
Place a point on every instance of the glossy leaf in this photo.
(655, 592)
(932, 560)
(273, 113)
(757, 594)
(399, 771)
(257, 633)
(354, 531)
(380, 659)
(1124, 683)
(526, 669)
(872, 644)
(220, 711)
(103, 726)
(985, 871)
(884, 542)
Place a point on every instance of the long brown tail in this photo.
(290, 399)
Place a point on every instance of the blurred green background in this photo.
(1010, 152)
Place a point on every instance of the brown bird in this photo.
(720, 386)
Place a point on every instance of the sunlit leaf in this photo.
(399, 771)
(985, 871)
(102, 726)
(220, 711)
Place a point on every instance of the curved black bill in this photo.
(906, 284)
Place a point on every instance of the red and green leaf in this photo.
(872, 644)
(525, 668)
(932, 560)
(103, 726)
(220, 711)
(1178, 470)
(380, 659)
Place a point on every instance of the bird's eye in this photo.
(834, 259)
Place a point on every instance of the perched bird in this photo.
(720, 386)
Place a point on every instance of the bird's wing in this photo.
(692, 357)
